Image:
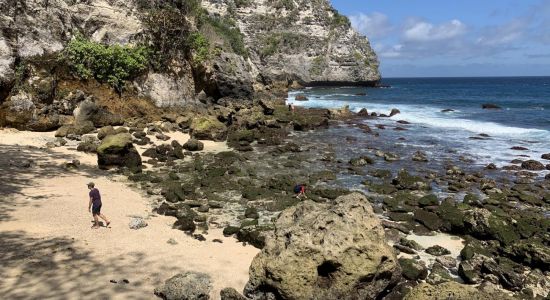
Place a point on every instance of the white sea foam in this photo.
(427, 115)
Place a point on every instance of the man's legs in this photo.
(96, 222)
(105, 219)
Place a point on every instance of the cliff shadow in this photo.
(22, 166)
(56, 268)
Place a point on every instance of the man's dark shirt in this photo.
(96, 197)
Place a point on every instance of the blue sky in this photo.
(455, 37)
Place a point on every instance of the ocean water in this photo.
(524, 119)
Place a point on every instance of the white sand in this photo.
(48, 250)
(452, 243)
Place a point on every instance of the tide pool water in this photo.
(524, 119)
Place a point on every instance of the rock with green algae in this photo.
(118, 150)
(428, 219)
(413, 269)
(428, 200)
(208, 128)
(452, 290)
(406, 181)
(438, 274)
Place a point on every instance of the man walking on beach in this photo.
(95, 206)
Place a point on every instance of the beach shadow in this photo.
(21, 166)
(54, 268)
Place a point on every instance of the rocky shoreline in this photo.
(502, 219)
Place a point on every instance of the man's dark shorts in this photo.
(96, 209)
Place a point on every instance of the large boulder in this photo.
(532, 165)
(186, 286)
(323, 251)
(208, 128)
(118, 150)
(100, 117)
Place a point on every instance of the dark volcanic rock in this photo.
(413, 269)
(428, 219)
(394, 112)
(519, 148)
(490, 106)
(437, 251)
(546, 156)
(193, 145)
(532, 165)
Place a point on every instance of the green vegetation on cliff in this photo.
(106, 63)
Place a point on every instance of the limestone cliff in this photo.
(306, 41)
(231, 48)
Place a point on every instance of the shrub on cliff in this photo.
(113, 64)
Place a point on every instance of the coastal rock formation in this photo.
(321, 251)
(304, 41)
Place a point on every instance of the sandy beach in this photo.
(49, 250)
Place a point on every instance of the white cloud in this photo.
(385, 51)
(373, 25)
(421, 31)
(503, 34)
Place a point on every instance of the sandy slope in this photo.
(49, 251)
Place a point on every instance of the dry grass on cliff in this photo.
(129, 104)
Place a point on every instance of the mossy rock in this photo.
(411, 244)
(428, 200)
(471, 199)
(208, 128)
(380, 173)
(230, 230)
(439, 274)
(428, 219)
(117, 150)
(251, 213)
(254, 193)
(382, 188)
(474, 246)
(531, 252)
(324, 176)
(330, 193)
(452, 217)
(406, 181)
(502, 231)
(254, 236)
(412, 269)
(249, 222)
(400, 217)
(437, 250)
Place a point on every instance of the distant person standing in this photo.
(95, 206)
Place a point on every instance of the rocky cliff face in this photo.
(251, 46)
(306, 41)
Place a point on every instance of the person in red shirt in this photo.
(95, 206)
(300, 190)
